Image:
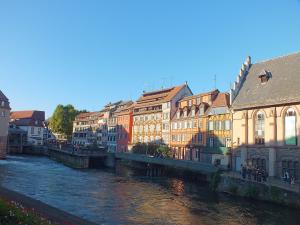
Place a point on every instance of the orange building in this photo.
(124, 115)
(188, 130)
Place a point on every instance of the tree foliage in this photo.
(62, 119)
(152, 149)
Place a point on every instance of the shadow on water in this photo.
(128, 196)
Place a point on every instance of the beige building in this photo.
(4, 122)
(152, 114)
(266, 115)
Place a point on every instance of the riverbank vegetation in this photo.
(12, 213)
(153, 149)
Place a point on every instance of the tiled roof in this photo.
(28, 118)
(199, 95)
(3, 97)
(84, 116)
(281, 88)
(28, 114)
(158, 97)
(222, 100)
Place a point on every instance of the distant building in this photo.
(32, 122)
(266, 116)
(86, 127)
(124, 115)
(152, 114)
(112, 124)
(4, 121)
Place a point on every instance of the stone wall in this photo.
(3, 145)
(259, 191)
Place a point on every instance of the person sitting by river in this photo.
(292, 180)
(249, 172)
(244, 171)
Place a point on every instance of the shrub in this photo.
(233, 189)
(252, 192)
(215, 180)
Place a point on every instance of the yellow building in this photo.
(152, 114)
(188, 130)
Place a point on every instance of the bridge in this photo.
(81, 158)
(198, 167)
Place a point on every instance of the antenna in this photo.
(215, 81)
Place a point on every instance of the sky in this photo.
(89, 53)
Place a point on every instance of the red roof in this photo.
(222, 100)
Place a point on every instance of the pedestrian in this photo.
(244, 172)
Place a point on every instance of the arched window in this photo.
(260, 128)
(290, 134)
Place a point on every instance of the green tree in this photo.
(62, 119)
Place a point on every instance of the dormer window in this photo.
(178, 114)
(264, 76)
(201, 111)
(193, 112)
(185, 113)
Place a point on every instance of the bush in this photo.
(215, 180)
(233, 189)
(14, 213)
(152, 149)
(252, 192)
(275, 194)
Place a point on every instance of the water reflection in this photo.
(127, 196)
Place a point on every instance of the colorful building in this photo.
(152, 114)
(219, 131)
(31, 121)
(124, 115)
(266, 116)
(4, 124)
(87, 128)
(188, 129)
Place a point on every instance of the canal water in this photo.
(127, 197)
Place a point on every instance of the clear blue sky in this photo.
(88, 53)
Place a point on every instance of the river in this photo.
(127, 197)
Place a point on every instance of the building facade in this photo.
(188, 128)
(86, 129)
(152, 114)
(219, 131)
(4, 124)
(124, 115)
(31, 121)
(266, 116)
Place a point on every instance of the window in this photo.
(201, 111)
(198, 101)
(290, 127)
(190, 102)
(32, 130)
(199, 138)
(227, 125)
(2, 114)
(211, 125)
(211, 142)
(178, 114)
(185, 113)
(260, 128)
(3, 103)
(259, 163)
(193, 112)
(291, 167)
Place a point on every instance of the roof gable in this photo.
(282, 86)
